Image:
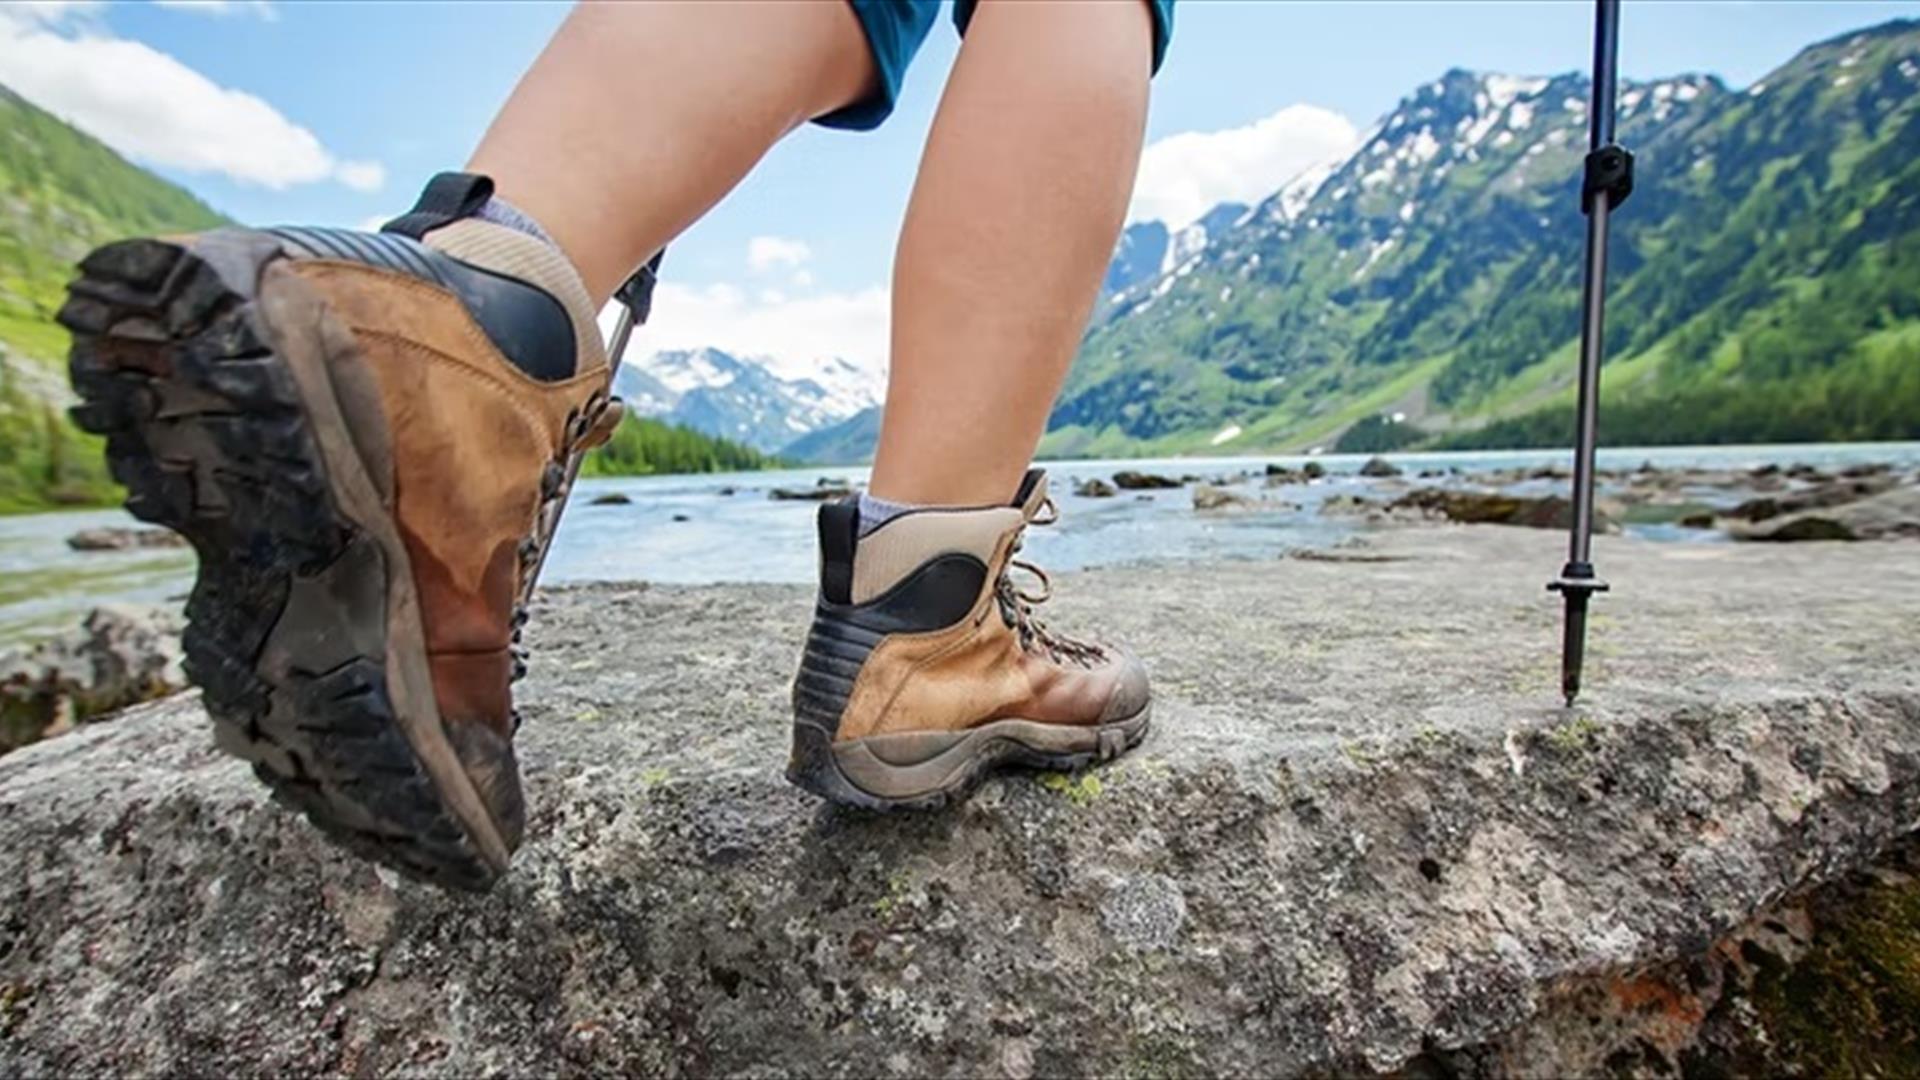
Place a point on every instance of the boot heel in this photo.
(813, 767)
(810, 763)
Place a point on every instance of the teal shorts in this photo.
(895, 29)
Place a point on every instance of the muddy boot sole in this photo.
(929, 770)
(239, 413)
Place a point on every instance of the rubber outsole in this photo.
(207, 427)
(814, 766)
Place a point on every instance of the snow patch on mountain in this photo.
(1185, 244)
(761, 401)
(1300, 190)
(1503, 90)
(1374, 254)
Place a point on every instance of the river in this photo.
(687, 530)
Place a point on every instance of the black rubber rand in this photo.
(286, 638)
(939, 593)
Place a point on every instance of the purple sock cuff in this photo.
(877, 512)
(501, 212)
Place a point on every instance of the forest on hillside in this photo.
(643, 446)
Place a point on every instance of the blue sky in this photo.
(371, 98)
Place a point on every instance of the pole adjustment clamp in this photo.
(636, 293)
(1609, 170)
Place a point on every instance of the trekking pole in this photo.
(636, 302)
(1607, 183)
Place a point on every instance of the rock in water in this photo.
(1496, 508)
(1130, 480)
(1888, 516)
(1395, 851)
(612, 498)
(1280, 475)
(1208, 497)
(120, 656)
(114, 538)
(1344, 505)
(1379, 467)
(819, 493)
(1834, 493)
(1094, 488)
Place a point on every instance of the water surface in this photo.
(690, 530)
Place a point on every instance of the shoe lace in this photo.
(586, 426)
(1017, 606)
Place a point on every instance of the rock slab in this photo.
(1363, 836)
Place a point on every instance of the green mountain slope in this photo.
(849, 442)
(62, 192)
(1764, 275)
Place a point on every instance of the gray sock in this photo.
(877, 512)
(501, 212)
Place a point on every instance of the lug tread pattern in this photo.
(205, 428)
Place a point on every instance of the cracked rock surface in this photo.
(1363, 833)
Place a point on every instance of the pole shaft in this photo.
(617, 345)
(1592, 349)
(1606, 65)
(1600, 131)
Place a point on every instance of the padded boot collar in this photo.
(513, 254)
(883, 557)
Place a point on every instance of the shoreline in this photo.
(694, 528)
(1898, 448)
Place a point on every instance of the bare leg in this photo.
(1020, 197)
(638, 117)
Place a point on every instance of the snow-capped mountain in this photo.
(1148, 249)
(743, 399)
(1436, 270)
(1138, 256)
(1187, 242)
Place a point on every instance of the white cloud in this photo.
(361, 175)
(766, 253)
(797, 334)
(151, 107)
(1183, 176)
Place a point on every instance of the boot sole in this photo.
(219, 380)
(929, 770)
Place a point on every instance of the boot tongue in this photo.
(1033, 493)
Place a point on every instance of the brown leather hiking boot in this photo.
(926, 667)
(367, 438)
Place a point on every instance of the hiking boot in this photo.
(926, 666)
(367, 438)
